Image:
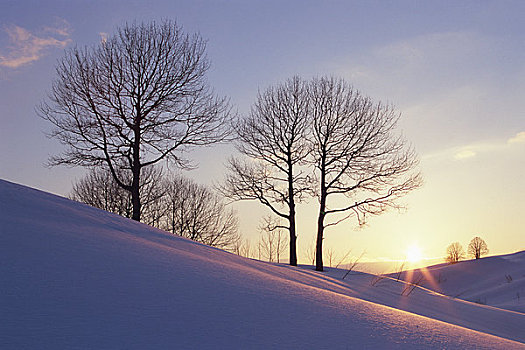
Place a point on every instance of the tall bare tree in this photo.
(134, 100)
(357, 156)
(455, 253)
(272, 139)
(477, 247)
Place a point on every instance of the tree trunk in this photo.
(135, 195)
(320, 229)
(291, 200)
(293, 241)
(135, 170)
(319, 241)
(320, 220)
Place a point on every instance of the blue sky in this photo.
(454, 69)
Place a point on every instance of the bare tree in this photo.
(134, 100)
(272, 138)
(310, 252)
(177, 205)
(280, 247)
(455, 253)
(246, 249)
(242, 247)
(99, 189)
(272, 242)
(356, 155)
(330, 256)
(237, 246)
(196, 212)
(477, 247)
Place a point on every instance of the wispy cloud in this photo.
(478, 149)
(519, 138)
(60, 27)
(26, 47)
(464, 154)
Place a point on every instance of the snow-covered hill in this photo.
(75, 277)
(496, 280)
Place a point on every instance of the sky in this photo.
(455, 70)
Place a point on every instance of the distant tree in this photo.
(272, 139)
(272, 242)
(477, 247)
(136, 99)
(310, 252)
(330, 255)
(196, 212)
(99, 189)
(246, 249)
(455, 253)
(357, 156)
(176, 204)
(242, 247)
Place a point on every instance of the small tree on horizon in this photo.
(477, 247)
(455, 253)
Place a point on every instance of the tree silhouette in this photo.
(136, 99)
(455, 253)
(272, 241)
(196, 212)
(357, 156)
(99, 189)
(477, 247)
(272, 139)
(175, 204)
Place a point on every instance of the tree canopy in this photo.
(139, 97)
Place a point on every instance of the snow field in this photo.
(75, 277)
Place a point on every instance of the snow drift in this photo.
(73, 276)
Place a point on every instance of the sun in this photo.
(413, 253)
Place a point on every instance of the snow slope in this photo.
(496, 280)
(75, 277)
(421, 301)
